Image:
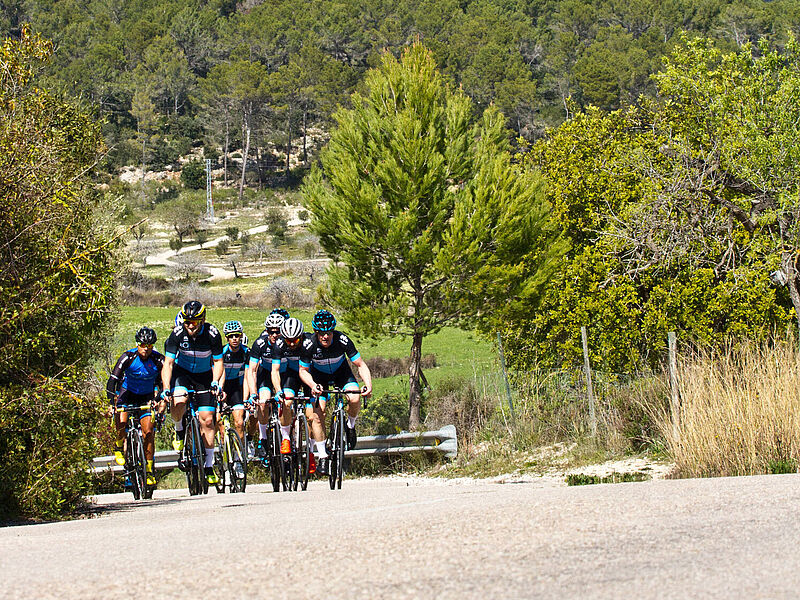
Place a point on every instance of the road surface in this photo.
(397, 538)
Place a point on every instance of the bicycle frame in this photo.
(337, 441)
(135, 461)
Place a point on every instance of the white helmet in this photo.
(273, 321)
(292, 328)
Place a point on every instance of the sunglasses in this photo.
(292, 341)
(148, 346)
(191, 322)
(274, 331)
(233, 335)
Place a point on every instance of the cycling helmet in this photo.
(292, 328)
(145, 335)
(323, 321)
(273, 320)
(194, 310)
(179, 318)
(280, 311)
(232, 327)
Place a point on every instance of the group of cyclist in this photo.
(283, 362)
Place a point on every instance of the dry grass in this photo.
(740, 412)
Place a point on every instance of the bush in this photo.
(222, 247)
(193, 175)
(232, 233)
(457, 401)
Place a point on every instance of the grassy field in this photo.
(458, 353)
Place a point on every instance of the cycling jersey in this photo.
(290, 359)
(194, 354)
(138, 376)
(262, 352)
(331, 359)
(235, 363)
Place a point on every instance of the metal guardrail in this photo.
(443, 440)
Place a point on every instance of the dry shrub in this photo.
(380, 366)
(740, 412)
(459, 402)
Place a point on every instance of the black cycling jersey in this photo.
(195, 354)
(235, 363)
(290, 359)
(331, 359)
(262, 352)
(138, 376)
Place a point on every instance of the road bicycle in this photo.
(192, 458)
(230, 459)
(337, 437)
(135, 463)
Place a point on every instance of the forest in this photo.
(166, 75)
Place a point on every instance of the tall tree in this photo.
(417, 199)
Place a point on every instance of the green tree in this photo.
(193, 175)
(417, 199)
(57, 268)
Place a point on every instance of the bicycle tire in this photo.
(301, 449)
(135, 463)
(236, 454)
(340, 453)
(195, 459)
(220, 462)
(275, 459)
(335, 442)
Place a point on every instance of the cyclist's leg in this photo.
(235, 399)
(183, 383)
(263, 408)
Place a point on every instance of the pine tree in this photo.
(405, 172)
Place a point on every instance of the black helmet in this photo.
(323, 321)
(145, 335)
(194, 310)
(280, 311)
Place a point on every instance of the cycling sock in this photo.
(285, 431)
(209, 457)
(179, 426)
(262, 431)
(321, 449)
(149, 466)
(351, 422)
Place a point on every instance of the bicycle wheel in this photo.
(195, 456)
(237, 461)
(135, 463)
(335, 443)
(275, 460)
(301, 449)
(220, 462)
(340, 453)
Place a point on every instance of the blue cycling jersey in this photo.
(134, 374)
(235, 362)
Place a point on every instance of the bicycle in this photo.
(193, 456)
(135, 462)
(230, 460)
(278, 473)
(337, 437)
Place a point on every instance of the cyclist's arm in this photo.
(218, 371)
(275, 375)
(166, 373)
(114, 383)
(250, 375)
(364, 374)
(305, 377)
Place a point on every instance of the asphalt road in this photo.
(390, 538)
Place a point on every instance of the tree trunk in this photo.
(790, 268)
(414, 387)
(288, 140)
(244, 161)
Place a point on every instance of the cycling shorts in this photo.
(341, 378)
(292, 384)
(264, 380)
(234, 395)
(127, 398)
(185, 380)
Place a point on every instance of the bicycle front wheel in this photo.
(195, 458)
(301, 449)
(237, 461)
(334, 461)
(275, 460)
(135, 462)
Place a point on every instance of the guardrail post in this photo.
(589, 390)
(505, 375)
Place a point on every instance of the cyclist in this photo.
(193, 352)
(326, 361)
(290, 379)
(133, 382)
(235, 355)
(259, 370)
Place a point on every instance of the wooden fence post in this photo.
(675, 399)
(589, 390)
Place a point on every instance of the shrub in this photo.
(222, 247)
(232, 233)
(193, 175)
(457, 401)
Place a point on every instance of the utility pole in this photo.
(209, 199)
